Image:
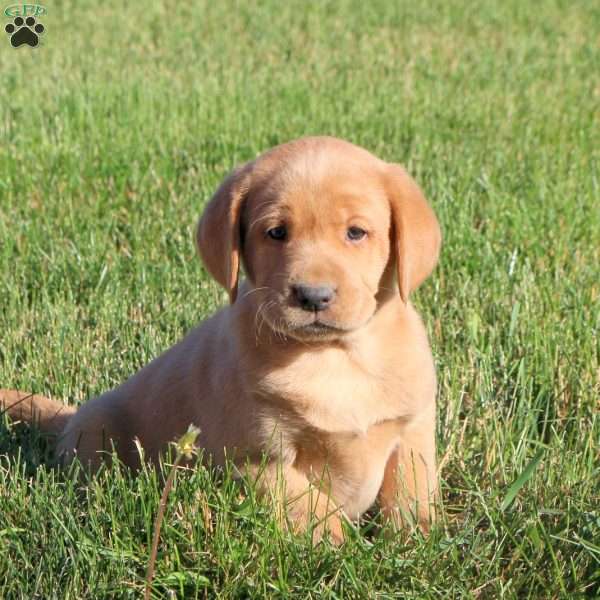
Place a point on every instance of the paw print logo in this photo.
(24, 31)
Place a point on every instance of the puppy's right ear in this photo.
(218, 235)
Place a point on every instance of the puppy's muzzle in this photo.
(313, 298)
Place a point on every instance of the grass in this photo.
(114, 134)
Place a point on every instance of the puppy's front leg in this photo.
(407, 494)
(298, 502)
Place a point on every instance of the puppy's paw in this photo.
(402, 520)
(321, 526)
(314, 511)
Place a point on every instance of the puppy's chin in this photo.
(314, 329)
(316, 332)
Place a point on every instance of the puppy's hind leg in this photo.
(97, 429)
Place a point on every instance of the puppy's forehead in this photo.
(314, 176)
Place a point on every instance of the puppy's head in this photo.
(320, 226)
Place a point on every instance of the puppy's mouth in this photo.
(317, 327)
(305, 326)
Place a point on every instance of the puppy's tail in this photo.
(50, 416)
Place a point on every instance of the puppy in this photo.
(317, 379)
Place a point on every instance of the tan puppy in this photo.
(320, 362)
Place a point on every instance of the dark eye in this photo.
(277, 233)
(354, 234)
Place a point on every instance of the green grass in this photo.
(113, 135)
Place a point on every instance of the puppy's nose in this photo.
(313, 297)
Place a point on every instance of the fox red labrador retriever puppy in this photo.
(320, 362)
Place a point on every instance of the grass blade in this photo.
(523, 478)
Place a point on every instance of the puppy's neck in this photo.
(336, 386)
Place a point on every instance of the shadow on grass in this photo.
(26, 442)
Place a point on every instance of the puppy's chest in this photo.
(336, 392)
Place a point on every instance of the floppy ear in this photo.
(416, 231)
(218, 234)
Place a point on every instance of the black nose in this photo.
(313, 297)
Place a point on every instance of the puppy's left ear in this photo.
(416, 235)
(218, 235)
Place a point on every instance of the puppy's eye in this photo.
(277, 233)
(354, 234)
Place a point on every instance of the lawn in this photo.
(113, 134)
